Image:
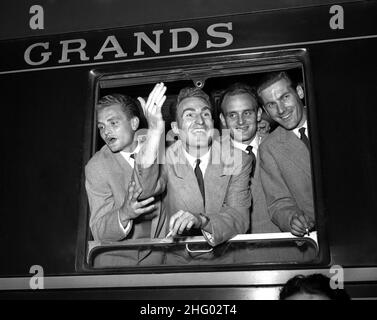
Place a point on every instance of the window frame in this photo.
(196, 70)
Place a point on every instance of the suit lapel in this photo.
(215, 180)
(295, 150)
(187, 186)
(125, 168)
(125, 174)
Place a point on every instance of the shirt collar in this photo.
(305, 125)
(127, 155)
(204, 160)
(254, 143)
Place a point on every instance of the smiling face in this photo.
(116, 129)
(284, 104)
(240, 114)
(194, 122)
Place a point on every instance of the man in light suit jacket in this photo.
(240, 113)
(285, 156)
(115, 212)
(211, 195)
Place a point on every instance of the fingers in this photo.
(153, 93)
(174, 218)
(182, 221)
(189, 225)
(303, 221)
(298, 225)
(157, 101)
(142, 102)
(156, 95)
(160, 96)
(310, 223)
(131, 188)
(160, 101)
(144, 210)
(297, 230)
(145, 202)
(301, 224)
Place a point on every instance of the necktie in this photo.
(304, 138)
(199, 177)
(250, 152)
(132, 156)
(249, 149)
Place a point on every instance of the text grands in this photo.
(177, 40)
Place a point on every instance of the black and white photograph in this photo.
(191, 156)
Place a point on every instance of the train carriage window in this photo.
(286, 185)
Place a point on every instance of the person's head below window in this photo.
(312, 287)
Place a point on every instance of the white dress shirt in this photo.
(204, 161)
(297, 133)
(254, 143)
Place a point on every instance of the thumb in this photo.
(142, 102)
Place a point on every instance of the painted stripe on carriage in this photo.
(223, 278)
(197, 53)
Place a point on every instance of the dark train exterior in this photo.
(49, 85)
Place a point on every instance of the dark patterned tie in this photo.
(199, 177)
(304, 138)
(249, 150)
(133, 155)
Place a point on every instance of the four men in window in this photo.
(205, 184)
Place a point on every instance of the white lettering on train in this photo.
(217, 34)
(45, 55)
(155, 46)
(194, 39)
(34, 56)
(115, 46)
(80, 49)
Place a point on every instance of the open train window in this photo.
(260, 247)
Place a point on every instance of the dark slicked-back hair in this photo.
(236, 89)
(313, 284)
(129, 106)
(271, 78)
(189, 92)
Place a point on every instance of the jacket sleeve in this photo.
(234, 215)
(280, 202)
(104, 215)
(151, 180)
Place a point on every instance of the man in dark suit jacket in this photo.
(285, 156)
(115, 212)
(240, 113)
(211, 195)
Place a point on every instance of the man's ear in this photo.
(222, 119)
(300, 92)
(135, 123)
(265, 110)
(174, 127)
(259, 114)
